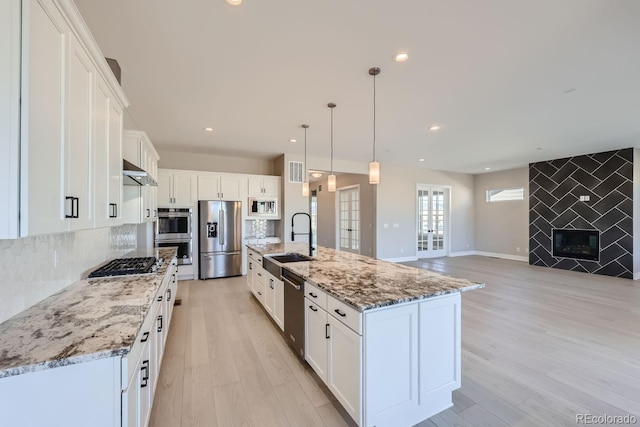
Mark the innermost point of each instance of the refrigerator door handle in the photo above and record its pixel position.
(222, 230)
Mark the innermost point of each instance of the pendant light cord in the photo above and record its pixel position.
(331, 140)
(305, 152)
(374, 117)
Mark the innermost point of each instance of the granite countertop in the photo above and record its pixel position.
(88, 320)
(364, 282)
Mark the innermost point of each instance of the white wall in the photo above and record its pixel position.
(29, 269)
(214, 163)
(502, 227)
(396, 204)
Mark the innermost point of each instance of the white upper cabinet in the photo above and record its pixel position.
(139, 203)
(51, 110)
(177, 188)
(263, 186)
(220, 187)
(9, 117)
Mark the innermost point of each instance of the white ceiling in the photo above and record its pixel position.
(491, 73)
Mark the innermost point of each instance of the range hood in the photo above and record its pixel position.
(133, 175)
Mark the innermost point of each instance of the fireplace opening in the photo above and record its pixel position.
(579, 244)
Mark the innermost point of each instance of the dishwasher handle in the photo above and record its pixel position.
(286, 280)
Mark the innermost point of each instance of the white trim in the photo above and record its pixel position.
(462, 253)
(503, 256)
(401, 259)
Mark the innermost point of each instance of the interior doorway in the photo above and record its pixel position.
(348, 214)
(432, 221)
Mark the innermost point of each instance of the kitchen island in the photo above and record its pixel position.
(384, 337)
(89, 354)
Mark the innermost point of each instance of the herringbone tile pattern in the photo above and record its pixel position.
(555, 188)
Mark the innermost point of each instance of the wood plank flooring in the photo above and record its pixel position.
(538, 347)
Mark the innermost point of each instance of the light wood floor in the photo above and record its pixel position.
(538, 347)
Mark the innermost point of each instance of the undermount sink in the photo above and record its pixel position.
(291, 257)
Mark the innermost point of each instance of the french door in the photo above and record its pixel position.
(348, 205)
(432, 224)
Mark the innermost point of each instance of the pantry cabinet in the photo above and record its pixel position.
(51, 69)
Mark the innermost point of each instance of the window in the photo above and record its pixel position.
(505, 194)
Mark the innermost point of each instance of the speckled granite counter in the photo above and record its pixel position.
(365, 282)
(87, 320)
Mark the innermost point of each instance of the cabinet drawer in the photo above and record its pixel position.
(258, 291)
(130, 361)
(315, 294)
(346, 314)
(254, 256)
(260, 275)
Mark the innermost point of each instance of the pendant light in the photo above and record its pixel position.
(374, 167)
(305, 184)
(331, 184)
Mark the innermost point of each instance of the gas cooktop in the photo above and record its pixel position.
(126, 267)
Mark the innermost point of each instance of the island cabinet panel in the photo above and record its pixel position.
(440, 339)
(391, 366)
(316, 338)
(344, 367)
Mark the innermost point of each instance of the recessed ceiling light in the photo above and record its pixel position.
(234, 2)
(434, 128)
(539, 148)
(401, 56)
(209, 129)
(292, 140)
(487, 169)
(421, 160)
(573, 89)
(316, 174)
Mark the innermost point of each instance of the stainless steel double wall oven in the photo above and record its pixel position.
(174, 228)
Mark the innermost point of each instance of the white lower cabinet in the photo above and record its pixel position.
(278, 304)
(400, 371)
(110, 392)
(267, 288)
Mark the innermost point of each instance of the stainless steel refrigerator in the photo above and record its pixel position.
(220, 232)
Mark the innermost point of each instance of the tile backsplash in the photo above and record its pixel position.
(39, 266)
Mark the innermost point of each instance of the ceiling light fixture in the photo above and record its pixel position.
(421, 160)
(374, 167)
(209, 129)
(434, 128)
(401, 56)
(487, 169)
(316, 174)
(305, 184)
(234, 2)
(331, 183)
(292, 140)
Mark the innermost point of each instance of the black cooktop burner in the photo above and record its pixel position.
(124, 267)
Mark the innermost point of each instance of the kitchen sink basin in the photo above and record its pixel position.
(291, 257)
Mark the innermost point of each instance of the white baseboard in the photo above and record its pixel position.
(401, 259)
(463, 253)
(503, 256)
(636, 276)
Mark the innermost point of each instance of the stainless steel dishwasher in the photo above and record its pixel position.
(294, 311)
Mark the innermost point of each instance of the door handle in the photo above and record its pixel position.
(222, 230)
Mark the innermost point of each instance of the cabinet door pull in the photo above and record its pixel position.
(222, 195)
(250, 266)
(260, 274)
(77, 203)
(160, 323)
(340, 313)
(148, 213)
(160, 298)
(326, 331)
(313, 295)
(145, 337)
(313, 308)
(113, 210)
(259, 293)
(71, 206)
(271, 283)
(168, 294)
(145, 376)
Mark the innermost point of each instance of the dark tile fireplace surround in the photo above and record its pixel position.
(555, 191)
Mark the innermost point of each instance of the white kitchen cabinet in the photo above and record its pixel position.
(139, 202)
(43, 130)
(263, 186)
(220, 187)
(10, 117)
(107, 190)
(344, 373)
(278, 304)
(316, 338)
(52, 66)
(269, 293)
(177, 188)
